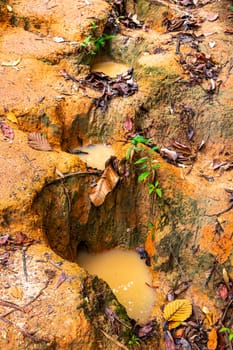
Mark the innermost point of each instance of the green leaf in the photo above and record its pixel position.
(94, 25)
(150, 225)
(156, 183)
(155, 166)
(143, 176)
(141, 160)
(224, 329)
(140, 139)
(231, 8)
(151, 190)
(86, 41)
(138, 148)
(159, 192)
(144, 166)
(154, 148)
(231, 336)
(128, 153)
(151, 187)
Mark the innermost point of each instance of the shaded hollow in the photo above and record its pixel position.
(68, 217)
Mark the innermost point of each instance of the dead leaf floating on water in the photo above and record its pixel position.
(178, 310)
(39, 142)
(106, 184)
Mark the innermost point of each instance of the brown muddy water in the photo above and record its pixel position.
(109, 67)
(96, 155)
(128, 277)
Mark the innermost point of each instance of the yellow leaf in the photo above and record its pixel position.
(212, 339)
(174, 324)
(208, 321)
(225, 275)
(11, 117)
(178, 310)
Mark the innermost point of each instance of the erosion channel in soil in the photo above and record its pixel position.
(144, 89)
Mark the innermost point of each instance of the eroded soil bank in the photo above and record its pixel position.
(178, 96)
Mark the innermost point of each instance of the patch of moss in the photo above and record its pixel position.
(143, 7)
(45, 121)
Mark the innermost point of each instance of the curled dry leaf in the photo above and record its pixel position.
(169, 341)
(7, 131)
(178, 310)
(106, 184)
(212, 339)
(212, 17)
(38, 142)
(222, 291)
(128, 125)
(171, 155)
(62, 278)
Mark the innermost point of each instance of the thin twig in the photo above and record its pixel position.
(221, 212)
(96, 173)
(24, 262)
(225, 311)
(25, 333)
(210, 274)
(116, 342)
(11, 305)
(30, 302)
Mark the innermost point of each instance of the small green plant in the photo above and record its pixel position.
(147, 164)
(229, 331)
(134, 340)
(94, 25)
(92, 44)
(151, 227)
(101, 41)
(87, 42)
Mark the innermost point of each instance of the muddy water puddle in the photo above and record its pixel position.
(109, 67)
(127, 275)
(96, 155)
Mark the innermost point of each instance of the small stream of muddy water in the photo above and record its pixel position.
(128, 277)
(96, 155)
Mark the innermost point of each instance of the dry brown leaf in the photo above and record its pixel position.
(178, 310)
(38, 142)
(106, 184)
(7, 131)
(212, 339)
(212, 17)
(171, 155)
